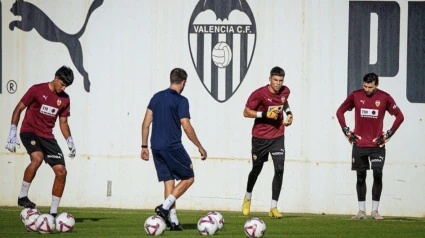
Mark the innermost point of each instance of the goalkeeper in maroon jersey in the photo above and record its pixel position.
(267, 105)
(368, 138)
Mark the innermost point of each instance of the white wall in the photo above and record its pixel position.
(129, 49)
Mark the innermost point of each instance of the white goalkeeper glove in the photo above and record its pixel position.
(71, 147)
(12, 140)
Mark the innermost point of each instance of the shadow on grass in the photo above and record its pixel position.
(89, 219)
(190, 226)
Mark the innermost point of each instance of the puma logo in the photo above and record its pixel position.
(362, 101)
(34, 18)
(45, 97)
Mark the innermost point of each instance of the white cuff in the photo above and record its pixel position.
(259, 114)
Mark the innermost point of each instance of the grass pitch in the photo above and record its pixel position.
(99, 222)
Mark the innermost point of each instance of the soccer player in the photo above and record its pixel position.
(267, 105)
(368, 138)
(168, 111)
(44, 102)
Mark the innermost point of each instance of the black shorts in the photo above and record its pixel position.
(361, 157)
(262, 147)
(52, 152)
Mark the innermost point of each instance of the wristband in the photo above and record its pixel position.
(144, 146)
(260, 114)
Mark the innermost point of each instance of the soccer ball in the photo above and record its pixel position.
(30, 220)
(65, 222)
(255, 227)
(45, 224)
(27, 212)
(155, 225)
(218, 217)
(207, 226)
(221, 54)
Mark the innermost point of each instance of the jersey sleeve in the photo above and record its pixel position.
(183, 108)
(391, 106)
(29, 96)
(66, 111)
(254, 100)
(347, 105)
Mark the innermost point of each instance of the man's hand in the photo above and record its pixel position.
(288, 121)
(384, 138)
(351, 137)
(12, 140)
(203, 153)
(145, 154)
(71, 147)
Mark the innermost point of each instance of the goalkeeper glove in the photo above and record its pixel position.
(351, 137)
(71, 147)
(12, 140)
(384, 138)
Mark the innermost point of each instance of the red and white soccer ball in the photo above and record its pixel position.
(255, 227)
(155, 225)
(30, 221)
(207, 226)
(26, 212)
(65, 222)
(218, 217)
(45, 224)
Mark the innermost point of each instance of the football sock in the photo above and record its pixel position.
(278, 178)
(173, 216)
(375, 205)
(362, 206)
(273, 204)
(248, 195)
(168, 202)
(253, 175)
(24, 189)
(55, 204)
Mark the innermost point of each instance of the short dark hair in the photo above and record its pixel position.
(65, 74)
(371, 77)
(177, 75)
(277, 71)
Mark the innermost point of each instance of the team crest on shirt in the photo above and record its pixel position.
(254, 157)
(377, 103)
(59, 102)
(283, 99)
(33, 142)
(191, 166)
(354, 160)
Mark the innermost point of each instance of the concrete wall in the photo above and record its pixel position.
(127, 51)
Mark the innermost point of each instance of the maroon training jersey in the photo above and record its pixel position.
(43, 108)
(369, 114)
(263, 100)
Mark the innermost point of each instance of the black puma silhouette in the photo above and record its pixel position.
(33, 17)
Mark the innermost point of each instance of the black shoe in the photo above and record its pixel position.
(175, 227)
(25, 202)
(54, 215)
(163, 213)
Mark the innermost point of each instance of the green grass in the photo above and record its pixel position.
(100, 222)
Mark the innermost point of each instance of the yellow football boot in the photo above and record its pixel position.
(274, 213)
(246, 206)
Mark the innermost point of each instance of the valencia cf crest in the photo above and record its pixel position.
(377, 103)
(59, 102)
(222, 36)
(283, 99)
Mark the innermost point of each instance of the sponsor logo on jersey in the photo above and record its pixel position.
(369, 113)
(48, 110)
